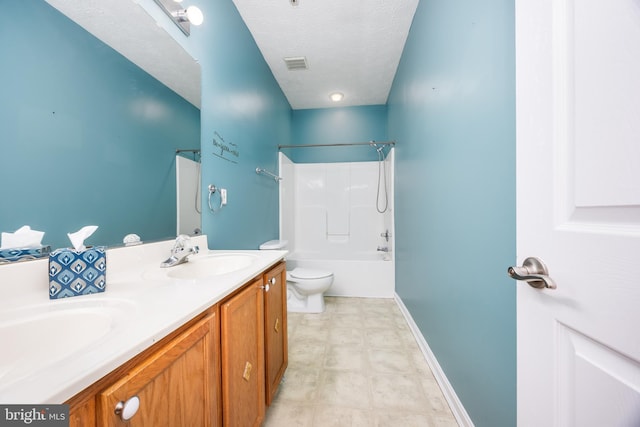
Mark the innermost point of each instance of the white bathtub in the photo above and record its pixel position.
(354, 275)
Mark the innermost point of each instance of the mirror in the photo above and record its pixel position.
(89, 138)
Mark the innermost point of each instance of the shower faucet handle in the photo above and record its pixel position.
(386, 235)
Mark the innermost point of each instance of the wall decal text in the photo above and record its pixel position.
(225, 150)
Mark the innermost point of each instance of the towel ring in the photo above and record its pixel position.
(212, 189)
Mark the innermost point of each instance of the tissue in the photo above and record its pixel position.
(23, 237)
(78, 238)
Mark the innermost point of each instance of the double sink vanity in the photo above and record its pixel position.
(203, 343)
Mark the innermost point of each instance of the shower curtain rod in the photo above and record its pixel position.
(191, 150)
(338, 145)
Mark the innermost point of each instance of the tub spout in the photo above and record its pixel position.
(383, 248)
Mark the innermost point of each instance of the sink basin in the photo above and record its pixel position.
(210, 265)
(38, 336)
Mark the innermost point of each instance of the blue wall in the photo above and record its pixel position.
(244, 110)
(337, 126)
(452, 113)
(87, 137)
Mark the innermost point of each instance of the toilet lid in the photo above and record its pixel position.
(307, 273)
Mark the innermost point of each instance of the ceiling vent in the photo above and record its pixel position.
(296, 63)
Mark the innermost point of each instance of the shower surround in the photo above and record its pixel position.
(328, 214)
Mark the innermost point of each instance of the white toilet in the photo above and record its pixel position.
(305, 287)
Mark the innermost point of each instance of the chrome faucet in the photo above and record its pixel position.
(180, 252)
(383, 248)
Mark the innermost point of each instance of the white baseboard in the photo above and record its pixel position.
(449, 393)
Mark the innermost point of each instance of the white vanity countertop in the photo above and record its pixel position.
(141, 305)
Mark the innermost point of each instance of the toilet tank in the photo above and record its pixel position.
(274, 245)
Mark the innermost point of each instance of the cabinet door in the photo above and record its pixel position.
(242, 329)
(275, 328)
(83, 415)
(177, 385)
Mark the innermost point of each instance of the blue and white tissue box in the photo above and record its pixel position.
(73, 273)
(22, 254)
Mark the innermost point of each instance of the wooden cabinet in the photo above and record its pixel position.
(242, 333)
(83, 414)
(176, 386)
(275, 328)
(254, 348)
(221, 368)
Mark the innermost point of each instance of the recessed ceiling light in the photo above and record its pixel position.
(336, 96)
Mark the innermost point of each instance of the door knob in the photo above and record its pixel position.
(534, 272)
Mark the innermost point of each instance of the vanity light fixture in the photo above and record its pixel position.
(180, 16)
(191, 14)
(336, 96)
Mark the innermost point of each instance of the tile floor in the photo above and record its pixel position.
(356, 364)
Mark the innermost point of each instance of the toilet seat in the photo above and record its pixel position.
(309, 274)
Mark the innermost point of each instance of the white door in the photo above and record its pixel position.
(578, 207)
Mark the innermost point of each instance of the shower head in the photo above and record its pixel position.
(374, 145)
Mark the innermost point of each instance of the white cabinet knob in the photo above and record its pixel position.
(128, 409)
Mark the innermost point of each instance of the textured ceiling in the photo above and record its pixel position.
(129, 29)
(351, 47)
